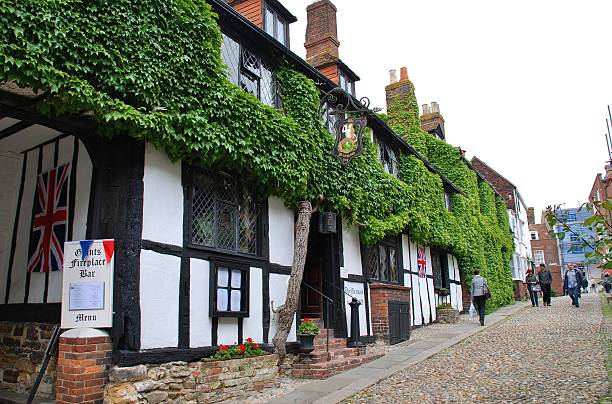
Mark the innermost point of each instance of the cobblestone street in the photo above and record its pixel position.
(542, 354)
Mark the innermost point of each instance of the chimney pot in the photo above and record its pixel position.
(392, 76)
(435, 108)
(426, 109)
(403, 73)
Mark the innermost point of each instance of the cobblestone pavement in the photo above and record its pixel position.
(540, 355)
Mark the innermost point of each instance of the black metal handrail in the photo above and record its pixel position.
(49, 353)
(341, 290)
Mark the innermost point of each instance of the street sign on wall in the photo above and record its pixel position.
(87, 285)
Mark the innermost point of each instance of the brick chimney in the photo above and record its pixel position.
(400, 97)
(531, 216)
(432, 121)
(250, 9)
(321, 33)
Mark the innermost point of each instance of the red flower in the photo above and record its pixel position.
(223, 347)
(306, 320)
(250, 340)
(255, 345)
(242, 348)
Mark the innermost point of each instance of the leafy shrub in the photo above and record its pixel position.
(308, 327)
(246, 350)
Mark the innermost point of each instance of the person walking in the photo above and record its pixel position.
(607, 282)
(585, 284)
(545, 278)
(532, 287)
(572, 282)
(479, 292)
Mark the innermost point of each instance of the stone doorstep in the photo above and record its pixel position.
(321, 356)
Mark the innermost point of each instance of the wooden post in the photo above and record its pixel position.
(288, 310)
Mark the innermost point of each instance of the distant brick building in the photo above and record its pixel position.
(517, 216)
(545, 250)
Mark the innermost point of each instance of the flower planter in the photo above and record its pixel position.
(306, 345)
(447, 316)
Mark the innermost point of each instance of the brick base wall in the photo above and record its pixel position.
(380, 295)
(82, 368)
(22, 350)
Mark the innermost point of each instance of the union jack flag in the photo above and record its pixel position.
(421, 261)
(50, 216)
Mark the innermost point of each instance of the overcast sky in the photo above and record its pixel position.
(523, 85)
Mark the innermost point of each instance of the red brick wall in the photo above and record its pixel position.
(380, 295)
(321, 30)
(551, 255)
(82, 368)
(250, 9)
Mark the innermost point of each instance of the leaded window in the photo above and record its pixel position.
(387, 156)
(439, 265)
(249, 71)
(448, 200)
(224, 213)
(230, 290)
(383, 261)
(276, 26)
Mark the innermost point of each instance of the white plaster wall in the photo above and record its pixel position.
(416, 285)
(281, 231)
(20, 260)
(227, 331)
(159, 299)
(356, 290)
(278, 294)
(200, 323)
(10, 167)
(432, 303)
(162, 219)
(253, 324)
(352, 251)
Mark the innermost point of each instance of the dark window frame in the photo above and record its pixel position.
(444, 280)
(386, 159)
(244, 288)
(389, 242)
(448, 199)
(350, 84)
(260, 226)
(277, 17)
(241, 69)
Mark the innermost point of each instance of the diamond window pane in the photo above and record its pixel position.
(203, 211)
(393, 264)
(230, 54)
(251, 62)
(236, 278)
(222, 277)
(248, 223)
(280, 31)
(228, 189)
(382, 260)
(222, 300)
(226, 226)
(249, 85)
(268, 87)
(373, 262)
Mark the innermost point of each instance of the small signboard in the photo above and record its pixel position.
(87, 286)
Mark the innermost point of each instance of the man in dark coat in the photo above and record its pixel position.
(545, 278)
(572, 283)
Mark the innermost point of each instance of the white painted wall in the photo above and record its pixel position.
(356, 290)
(200, 323)
(278, 294)
(227, 331)
(417, 307)
(352, 251)
(10, 167)
(253, 324)
(20, 260)
(432, 303)
(281, 232)
(162, 218)
(159, 299)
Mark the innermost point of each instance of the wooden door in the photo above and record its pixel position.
(399, 322)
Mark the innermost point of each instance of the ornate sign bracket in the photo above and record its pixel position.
(349, 120)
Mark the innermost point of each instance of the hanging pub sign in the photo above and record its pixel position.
(87, 285)
(348, 119)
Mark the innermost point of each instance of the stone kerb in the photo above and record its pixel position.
(203, 381)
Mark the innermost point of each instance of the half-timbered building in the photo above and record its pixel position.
(201, 258)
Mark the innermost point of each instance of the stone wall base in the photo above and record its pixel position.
(201, 382)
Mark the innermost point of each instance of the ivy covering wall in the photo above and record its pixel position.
(152, 70)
